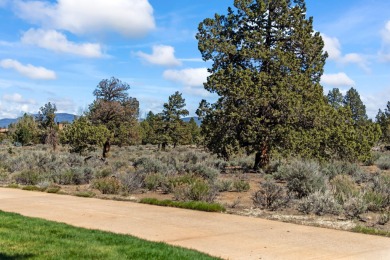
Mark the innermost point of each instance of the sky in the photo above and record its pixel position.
(59, 50)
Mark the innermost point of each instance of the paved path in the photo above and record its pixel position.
(227, 236)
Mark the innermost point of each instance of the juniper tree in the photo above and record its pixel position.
(267, 65)
(114, 108)
(383, 119)
(171, 128)
(358, 109)
(335, 98)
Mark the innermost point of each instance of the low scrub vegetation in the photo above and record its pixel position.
(193, 178)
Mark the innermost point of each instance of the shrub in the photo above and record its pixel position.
(203, 171)
(303, 177)
(383, 162)
(319, 203)
(153, 181)
(53, 189)
(355, 206)
(384, 218)
(335, 168)
(131, 181)
(27, 177)
(375, 201)
(241, 185)
(108, 185)
(343, 188)
(225, 185)
(270, 196)
(379, 196)
(32, 188)
(197, 190)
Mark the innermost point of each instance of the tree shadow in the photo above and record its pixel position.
(15, 257)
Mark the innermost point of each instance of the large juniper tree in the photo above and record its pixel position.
(267, 65)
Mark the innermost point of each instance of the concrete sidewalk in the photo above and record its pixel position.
(223, 235)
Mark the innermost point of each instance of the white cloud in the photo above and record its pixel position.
(191, 79)
(14, 105)
(188, 77)
(162, 55)
(355, 58)
(28, 70)
(384, 53)
(53, 40)
(17, 98)
(130, 18)
(333, 47)
(386, 33)
(337, 80)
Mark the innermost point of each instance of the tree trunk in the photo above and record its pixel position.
(261, 158)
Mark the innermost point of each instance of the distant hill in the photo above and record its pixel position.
(5, 122)
(198, 121)
(60, 117)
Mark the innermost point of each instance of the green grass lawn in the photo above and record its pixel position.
(30, 238)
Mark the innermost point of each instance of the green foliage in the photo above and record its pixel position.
(195, 205)
(335, 98)
(27, 177)
(370, 231)
(118, 112)
(170, 129)
(358, 109)
(344, 188)
(383, 119)
(30, 238)
(193, 189)
(47, 124)
(267, 65)
(25, 130)
(240, 185)
(82, 136)
(108, 185)
(383, 162)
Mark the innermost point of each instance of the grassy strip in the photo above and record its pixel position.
(370, 231)
(196, 205)
(30, 238)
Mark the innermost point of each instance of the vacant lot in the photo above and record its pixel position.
(336, 194)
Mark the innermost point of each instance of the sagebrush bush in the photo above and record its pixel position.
(154, 180)
(225, 185)
(108, 185)
(303, 177)
(320, 203)
(27, 177)
(131, 181)
(383, 162)
(241, 185)
(195, 190)
(344, 187)
(355, 206)
(270, 196)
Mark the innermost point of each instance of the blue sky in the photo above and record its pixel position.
(59, 50)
